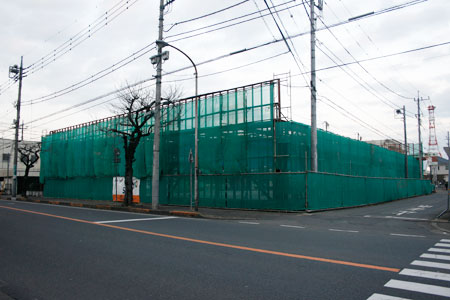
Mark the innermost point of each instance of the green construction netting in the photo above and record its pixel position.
(248, 158)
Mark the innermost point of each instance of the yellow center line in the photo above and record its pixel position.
(312, 258)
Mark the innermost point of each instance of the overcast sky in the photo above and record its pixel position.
(355, 100)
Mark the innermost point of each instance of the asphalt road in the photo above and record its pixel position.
(59, 252)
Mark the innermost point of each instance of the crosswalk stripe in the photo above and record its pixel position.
(384, 297)
(419, 287)
(445, 240)
(435, 256)
(426, 274)
(431, 264)
(442, 245)
(439, 250)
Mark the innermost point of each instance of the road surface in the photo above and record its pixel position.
(388, 250)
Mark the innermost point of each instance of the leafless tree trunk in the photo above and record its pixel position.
(29, 155)
(136, 108)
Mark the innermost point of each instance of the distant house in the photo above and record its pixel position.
(7, 168)
(442, 169)
(389, 144)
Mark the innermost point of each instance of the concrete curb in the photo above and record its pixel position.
(188, 214)
(438, 226)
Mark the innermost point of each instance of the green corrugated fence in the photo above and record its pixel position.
(248, 158)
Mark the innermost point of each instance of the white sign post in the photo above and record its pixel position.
(119, 189)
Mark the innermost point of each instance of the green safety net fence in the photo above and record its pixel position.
(248, 158)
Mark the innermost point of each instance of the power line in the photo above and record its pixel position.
(370, 40)
(90, 80)
(365, 84)
(359, 64)
(114, 92)
(81, 36)
(227, 21)
(325, 68)
(382, 56)
(206, 15)
(231, 69)
(367, 115)
(100, 74)
(264, 20)
(285, 41)
(73, 113)
(353, 117)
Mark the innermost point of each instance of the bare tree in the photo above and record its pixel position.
(137, 108)
(29, 155)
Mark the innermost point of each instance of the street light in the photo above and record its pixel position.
(13, 72)
(402, 111)
(162, 44)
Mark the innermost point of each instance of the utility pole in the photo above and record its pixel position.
(448, 139)
(448, 167)
(447, 151)
(21, 127)
(326, 125)
(406, 142)
(18, 71)
(313, 89)
(157, 126)
(420, 140)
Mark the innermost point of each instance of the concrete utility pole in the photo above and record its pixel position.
(19, 71)
(447, 151)
(448, 140)
(406, 142)
(420, 140)
(157, 126)
(313, 89)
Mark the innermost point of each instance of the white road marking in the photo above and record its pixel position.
(397, 218)
(251, 223)
(135, 220)
(426, 274)
(435, 256)
(431, 264)
(340, 230)
(405, 218)
(413, 210)
(292, 226)
(442, 245)
(384, 297)
(407, 235)
(419, 287)
(445, 240)
(405, 212)
(439, 250)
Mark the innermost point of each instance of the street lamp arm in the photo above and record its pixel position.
(161, 44)
(165, 44)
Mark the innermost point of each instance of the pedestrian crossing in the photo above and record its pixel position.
(426, 277)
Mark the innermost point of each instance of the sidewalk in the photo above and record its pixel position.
(174, 210)
(442, 222)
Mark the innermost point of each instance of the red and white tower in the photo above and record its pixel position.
(433, 148)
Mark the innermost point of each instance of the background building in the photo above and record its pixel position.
(7, 168)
